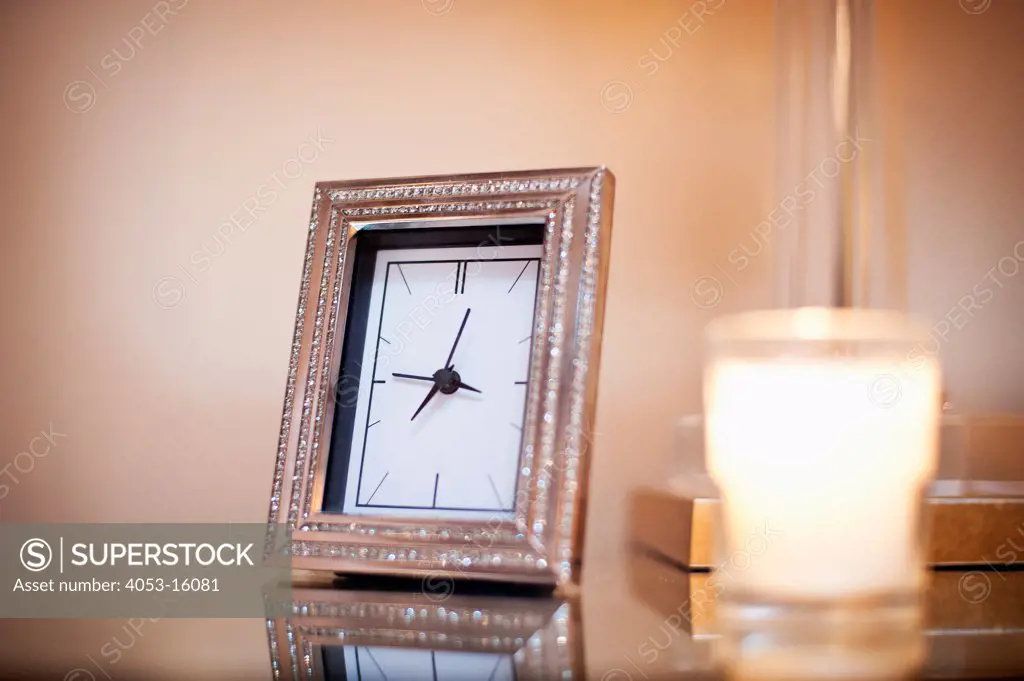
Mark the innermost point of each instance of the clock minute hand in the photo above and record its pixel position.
(448, 364)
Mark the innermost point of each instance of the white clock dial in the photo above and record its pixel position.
(381, 664)
(441, 439)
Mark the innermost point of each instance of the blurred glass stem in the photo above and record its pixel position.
(829, 215)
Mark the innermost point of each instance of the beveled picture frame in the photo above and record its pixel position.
(542, 638)
(542, 545)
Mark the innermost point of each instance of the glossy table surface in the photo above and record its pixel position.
(633, 623)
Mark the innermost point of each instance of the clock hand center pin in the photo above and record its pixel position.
(447, 380)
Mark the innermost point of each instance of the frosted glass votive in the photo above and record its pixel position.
(822, 435)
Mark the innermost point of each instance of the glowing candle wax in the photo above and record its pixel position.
(828, 457)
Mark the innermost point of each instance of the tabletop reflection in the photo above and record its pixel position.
(841, 649)
(655, 622)
(335, 635)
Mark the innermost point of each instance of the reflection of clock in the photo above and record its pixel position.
(443, 376)
(361, 663)
(328, 634)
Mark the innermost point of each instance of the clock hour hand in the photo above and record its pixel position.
(448, 364)
(418, 378)
(433, 391)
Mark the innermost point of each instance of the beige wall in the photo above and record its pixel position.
(111, 186)
(173, 413)
(961, 89)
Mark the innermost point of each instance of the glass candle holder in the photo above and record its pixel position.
(821, 434)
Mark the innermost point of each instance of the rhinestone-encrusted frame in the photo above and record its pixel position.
(558, 429)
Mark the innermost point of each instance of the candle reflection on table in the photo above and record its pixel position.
(872, 649)
(847, 652)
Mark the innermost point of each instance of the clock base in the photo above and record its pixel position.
(438, 587)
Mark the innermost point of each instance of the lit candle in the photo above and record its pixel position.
(821, 459)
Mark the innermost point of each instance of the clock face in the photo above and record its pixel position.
(362, 663)
(442, 383)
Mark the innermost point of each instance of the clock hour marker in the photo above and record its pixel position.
(375, 422)
(375, 664)
(516, 426)
(437, 479)
(520, 275)
(520, 382)
(380, 381)
(359, 671)
(495, 670)
(377, 487)
(494, 488)
(465, 267)
(526, 339)
(399, 266)
(385, 340)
